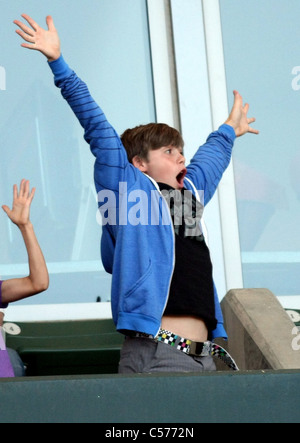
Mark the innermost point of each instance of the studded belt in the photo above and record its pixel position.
(197, 349)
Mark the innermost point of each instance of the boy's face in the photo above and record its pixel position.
(164, 165)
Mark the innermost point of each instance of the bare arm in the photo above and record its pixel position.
(1, 318)
(38, 278)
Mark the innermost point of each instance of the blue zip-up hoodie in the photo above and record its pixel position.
(140, 257)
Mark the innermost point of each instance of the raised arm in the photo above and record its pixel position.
(38, 279)
(112, 165)
(212, 159)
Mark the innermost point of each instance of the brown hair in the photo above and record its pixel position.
(144, 138)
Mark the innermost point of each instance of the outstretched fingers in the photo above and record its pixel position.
(24, 28)
(27, 38)
(24, 191)
(45, 41)
(238, 117)
(50, 23)
(246, 108)
(27, 33)
(30, 21)
(252, 130)
(250, 120)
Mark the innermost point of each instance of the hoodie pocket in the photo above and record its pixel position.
(137, 298)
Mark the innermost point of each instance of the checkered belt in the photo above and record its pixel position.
(196, 349)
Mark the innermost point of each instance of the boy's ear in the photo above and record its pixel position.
(139, 163)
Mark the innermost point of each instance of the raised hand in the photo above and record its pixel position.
(38, 279)
(238, 117)
(22, 198)
(45, 41)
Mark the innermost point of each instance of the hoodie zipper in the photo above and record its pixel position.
(173, 237)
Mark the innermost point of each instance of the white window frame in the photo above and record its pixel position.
(220, 112)
(163, 63)
(203, 108)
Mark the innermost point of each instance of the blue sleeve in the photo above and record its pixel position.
(220, 329)
(111, 165)
(211, 160)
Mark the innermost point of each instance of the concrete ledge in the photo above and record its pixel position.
(260, 331)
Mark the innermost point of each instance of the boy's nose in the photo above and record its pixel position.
(181, 158)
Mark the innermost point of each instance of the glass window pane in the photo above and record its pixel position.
(262, 58)
(107, 44)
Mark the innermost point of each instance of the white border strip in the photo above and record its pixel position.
(54, 268)
(289, 301)
(195, 110)
(163, 64)
(63, 312)
(219, 105)
(271, 257)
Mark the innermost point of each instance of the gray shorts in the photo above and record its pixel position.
(143, 355)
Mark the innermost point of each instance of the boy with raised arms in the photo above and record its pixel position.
(163, 296)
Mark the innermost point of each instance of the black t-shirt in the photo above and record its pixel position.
(192, 289)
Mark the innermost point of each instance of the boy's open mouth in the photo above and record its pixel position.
(180, 177)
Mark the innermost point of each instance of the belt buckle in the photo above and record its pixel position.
(200, 349)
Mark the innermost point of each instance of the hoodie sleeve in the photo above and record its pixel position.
(111, 165)
(211, 160)
(220, 331)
